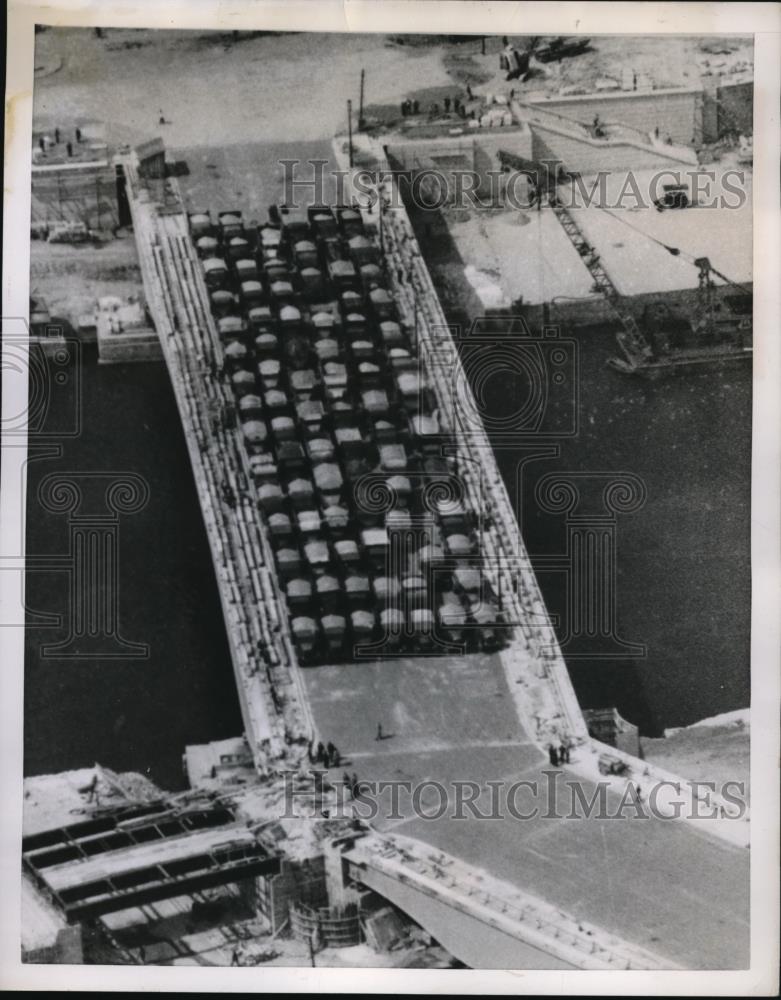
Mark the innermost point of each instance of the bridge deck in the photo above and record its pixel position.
(657, 883)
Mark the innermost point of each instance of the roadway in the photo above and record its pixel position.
(660, 884)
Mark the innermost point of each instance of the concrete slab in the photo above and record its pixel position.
(636, 264)
(660, 884)
(526, 253)
(423, 704)
(653, 882)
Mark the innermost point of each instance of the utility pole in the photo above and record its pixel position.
(350, 130)
(361, 122)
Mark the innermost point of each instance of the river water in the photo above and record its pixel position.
(129, 714)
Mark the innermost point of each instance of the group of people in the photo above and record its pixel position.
(410, 108)
(559, 754)
(328, 756)
(44, 141)
(669, 139)
(454, 104)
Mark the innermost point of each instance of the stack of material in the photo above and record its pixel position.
(384, 929)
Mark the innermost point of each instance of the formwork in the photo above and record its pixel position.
(337, 927)
(83, 191)
(296, 884)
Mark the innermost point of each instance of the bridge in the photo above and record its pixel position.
(477, 918)
(550, 894)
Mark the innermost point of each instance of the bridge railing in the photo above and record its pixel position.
(492, 901)
(275, 710)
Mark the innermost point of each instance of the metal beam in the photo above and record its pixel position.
(110, 903)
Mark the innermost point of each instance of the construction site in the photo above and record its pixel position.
(383, 617)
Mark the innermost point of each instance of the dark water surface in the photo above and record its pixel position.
(125, 713)
(683, 573)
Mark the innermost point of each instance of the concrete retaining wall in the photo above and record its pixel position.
(478, 148)
(129, 346)
(677, 113)
(581, 156)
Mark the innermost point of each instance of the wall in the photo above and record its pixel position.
(584, 157)
(295, 882)
(340, 890)
(572, 315)
(131, 345)
(478, 147)
(607, 726)
(76, 193)
(677, 113)
(735, 108)
(66, 950)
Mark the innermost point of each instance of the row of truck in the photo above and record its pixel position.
(375, 547)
